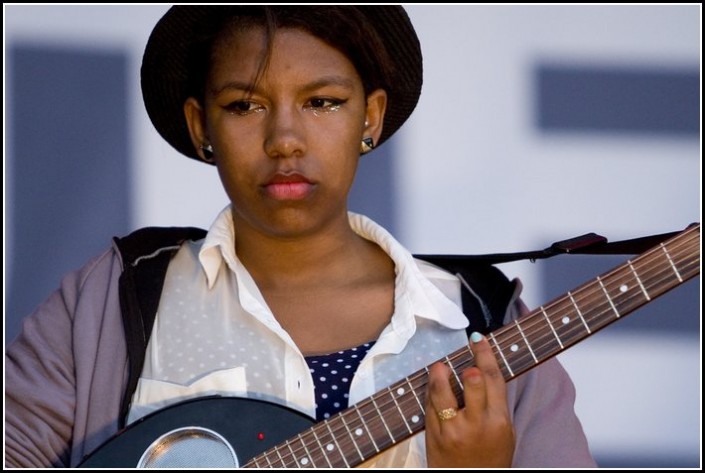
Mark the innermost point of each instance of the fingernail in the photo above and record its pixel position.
(476, 337)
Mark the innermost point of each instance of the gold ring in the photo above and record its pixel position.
(447, 414)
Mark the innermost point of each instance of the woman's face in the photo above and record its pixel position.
(286, 146)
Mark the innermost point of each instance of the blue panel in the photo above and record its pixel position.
(676, 311)
(658, 100)
(69, 166)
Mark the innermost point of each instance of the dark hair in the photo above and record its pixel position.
(343, 27)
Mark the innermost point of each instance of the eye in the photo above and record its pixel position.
(243, 107)
(323, 104)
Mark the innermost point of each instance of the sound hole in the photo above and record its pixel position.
(189, 447)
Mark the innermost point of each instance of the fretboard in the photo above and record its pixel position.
(367, 428)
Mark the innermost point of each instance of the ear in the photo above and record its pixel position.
(196, 122)
(374, 115)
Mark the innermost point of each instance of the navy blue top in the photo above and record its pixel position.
(332, 374)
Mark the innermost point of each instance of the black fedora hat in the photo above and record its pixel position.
(165, 69)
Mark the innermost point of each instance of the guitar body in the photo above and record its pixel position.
(248, 426)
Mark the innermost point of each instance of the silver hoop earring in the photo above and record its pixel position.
(208, 153)
(366, 145)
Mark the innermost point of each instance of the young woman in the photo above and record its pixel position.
(288, 297)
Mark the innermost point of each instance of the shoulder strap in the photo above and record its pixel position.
(145, 254)
(587, 244)
(485, 290)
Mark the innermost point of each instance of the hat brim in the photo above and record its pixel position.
(165, 74)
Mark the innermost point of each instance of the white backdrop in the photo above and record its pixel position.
(474, 124)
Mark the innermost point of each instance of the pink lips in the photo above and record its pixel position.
(288, 187)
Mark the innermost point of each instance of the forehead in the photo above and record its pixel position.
(242, 53)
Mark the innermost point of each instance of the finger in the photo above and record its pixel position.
(474, 394)
(491, 378)
(439, 396)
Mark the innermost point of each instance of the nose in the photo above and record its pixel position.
(285, 133)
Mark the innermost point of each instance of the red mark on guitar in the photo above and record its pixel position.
(260, 436)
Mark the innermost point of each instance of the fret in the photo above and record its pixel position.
(380, 416)
(609, 299)
(269, 463)
(408, 403)
(638, 280)
(352, 438)
(675, 270)
(526, 342)
(565, 321)
(281, 459)
(330, 448)
(580, 314)
(257, 459)
(359, 431)
(555, 334)
(453, 371)
(305, 460)
(416, 397)
(401, 411)
(624, 290)
(501, 353)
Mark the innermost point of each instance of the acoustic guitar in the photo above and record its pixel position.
(235, 432)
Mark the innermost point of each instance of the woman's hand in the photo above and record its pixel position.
(479, 435)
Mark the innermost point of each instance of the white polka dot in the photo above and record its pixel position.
(322, 378)
(334, 387)
(345, 380)
(336, 404)
(325, 365)
(324, 396)
(334, 372)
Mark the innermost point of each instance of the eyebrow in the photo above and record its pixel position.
(332, 80)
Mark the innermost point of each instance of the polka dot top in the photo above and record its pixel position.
(332, 374)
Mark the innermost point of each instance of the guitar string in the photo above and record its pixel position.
(645, 278)
(404, 399)
(590, 315)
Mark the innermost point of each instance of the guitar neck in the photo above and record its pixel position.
(367, 428)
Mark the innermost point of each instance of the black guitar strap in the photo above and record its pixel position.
(486, 291)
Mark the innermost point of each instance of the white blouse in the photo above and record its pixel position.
(215, 334)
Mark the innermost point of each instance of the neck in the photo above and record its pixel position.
(302, 259)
